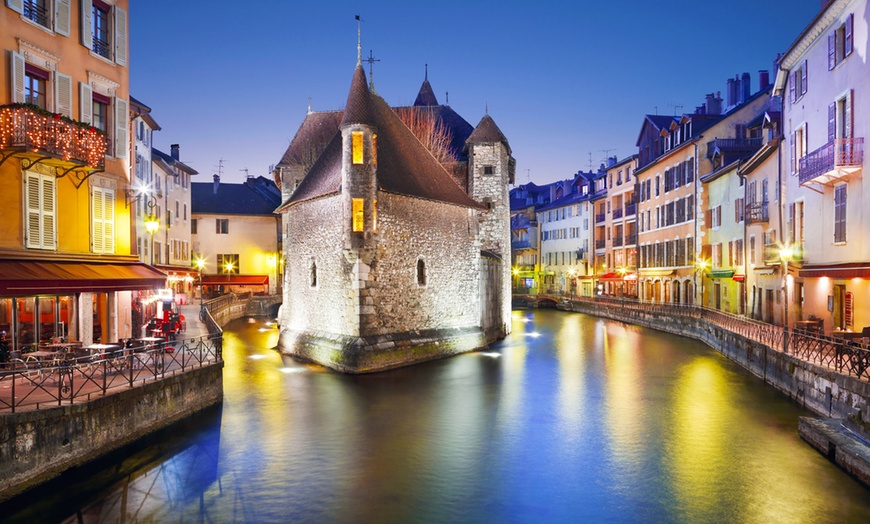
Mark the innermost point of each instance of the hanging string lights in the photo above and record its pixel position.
(29, 128)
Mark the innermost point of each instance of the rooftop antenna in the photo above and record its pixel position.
(371, 60)
(606, 154)
(590, 161)
(309, 105)
(358, 41)
(656, 109)
(245, 169)
(528, 175)
(426, 74)
(675, 106)
(446, 98)
(220, 167)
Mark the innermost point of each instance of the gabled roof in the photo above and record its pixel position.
(487, 132)
(313, 135)
(144, 112)
(173, 162)
(256, 196)
(658, 122)
(405, 166)
(567, 200)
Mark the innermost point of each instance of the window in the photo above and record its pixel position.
(357, 147)
(840, 43)
(488, 170)
(358, 215)
(797, 83)
(752, 250)
(421, 272)
(100, 115)
(658, 192)
(185, 212)
(107, 36)
(177, 208)
(840, 213)
(312, 274)
(222, 226)
(840, 118)
(103, 224)
(35, 82)
(192, 226)
(41, 204)
(228, 264)
(798, 147)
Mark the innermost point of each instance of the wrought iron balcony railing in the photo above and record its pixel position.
(756, 212)
(832, 161)
(600, 244)
(518, 245)
(630, 209)
(28, 129)
(617, 212)
(631, 239)
(599, 218)
(617, 241)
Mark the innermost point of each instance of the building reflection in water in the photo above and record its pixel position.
(569, 418)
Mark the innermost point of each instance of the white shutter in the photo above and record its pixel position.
(16, 5)
(87, 25)
(32, 210)
(122, 117)
(16, 73)
(61, 17)
(108, 221)
(63, 94)
(847, 114)
(48, 212)
(120, 36)
(86, 103)
(97, 233)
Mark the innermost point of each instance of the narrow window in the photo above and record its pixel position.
(312, 274)
(375, 216)
(193, 226)
(357, 145)
(840, 213)
(421, 272)
(358, 215)
(35, 81)
(100, 29)
(100, 118)
(375, 150)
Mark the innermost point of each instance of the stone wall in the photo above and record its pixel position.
(822, 390)
(36, 446)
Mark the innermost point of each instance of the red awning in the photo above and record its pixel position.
(235, 280)
(739, 278)
(851, 270)
(49, 277)
(610, 277)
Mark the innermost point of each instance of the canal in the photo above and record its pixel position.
(571, 418)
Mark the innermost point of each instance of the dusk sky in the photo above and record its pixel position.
(561, 79)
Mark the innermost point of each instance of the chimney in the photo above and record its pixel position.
(714, 103)
(763, 79)
(729, 92)
(217, 183)
(173, 151)
(747, 87)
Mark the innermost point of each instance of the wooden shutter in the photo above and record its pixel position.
(32, 210)
(103, 220)
(832, 50)
(63, 94)
(16, 72)
(832, 121)
(47, 184)
(121, 122)
(40, 210)
(87, 24)
(97, 233)
(730, 253)
(791, 228)
(708, 217)
(690, 173)
(16, 5)
(86, 103)
(847, 115)
(804, 84)
(847, 47)
(793, 153)
(62, 17)
(792, 78)
(120, 36)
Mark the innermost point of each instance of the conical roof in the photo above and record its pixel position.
(426, 96)
(358, 109)
(487, 132)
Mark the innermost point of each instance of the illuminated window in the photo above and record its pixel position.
(358, 215)
(357, 143)
(375, 150)
(35, 82)
(375, 216)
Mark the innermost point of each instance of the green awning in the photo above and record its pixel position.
(720, 273)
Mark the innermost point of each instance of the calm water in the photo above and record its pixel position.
(572, 418)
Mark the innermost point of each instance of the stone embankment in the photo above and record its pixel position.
(824, 391)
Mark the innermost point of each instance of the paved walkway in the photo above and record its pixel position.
(195, 326)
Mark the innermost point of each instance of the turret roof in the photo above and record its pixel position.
(426, 96)
(487, 132)
(358, 109)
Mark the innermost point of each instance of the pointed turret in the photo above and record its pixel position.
(487, 132)
(358, 109)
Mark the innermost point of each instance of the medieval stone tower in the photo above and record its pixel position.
(392, 256)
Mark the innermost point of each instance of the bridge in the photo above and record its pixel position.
(536, 301)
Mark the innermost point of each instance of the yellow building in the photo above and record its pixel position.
(65, 264)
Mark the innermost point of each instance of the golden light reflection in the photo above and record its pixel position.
(570, 351)
(625, 411)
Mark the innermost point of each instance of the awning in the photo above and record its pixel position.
(739, 278)
(656, 272)
(235, 280)
(851, 270)
(720, 273)
(44, 277)
(610, 277)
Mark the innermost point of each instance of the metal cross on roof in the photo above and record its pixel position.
(371, 60)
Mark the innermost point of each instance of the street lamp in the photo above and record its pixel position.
(785, 254)
(229, 267)
(701, 267)
(152, 224)
(200, 264)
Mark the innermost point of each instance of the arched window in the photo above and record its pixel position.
(312, 277)
(421, 272)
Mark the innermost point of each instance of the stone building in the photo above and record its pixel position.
(391, 255)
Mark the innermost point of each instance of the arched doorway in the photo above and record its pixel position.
(676, 294)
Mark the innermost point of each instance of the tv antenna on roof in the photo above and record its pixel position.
(246, 172)
(220, 167)
(675, 106)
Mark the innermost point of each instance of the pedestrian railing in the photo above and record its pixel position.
(74, 379)
(849, 357)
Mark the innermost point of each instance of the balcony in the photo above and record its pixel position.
(520, 222)
(599, 218)
(600, 244)
(631, 239)
(521, 245)
(617, 241)
(630, 210)
(756, 212)
(832, 161)
(732, 145)
(617, 213)
(39, 137)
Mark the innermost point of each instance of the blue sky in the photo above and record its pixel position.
(561, 79)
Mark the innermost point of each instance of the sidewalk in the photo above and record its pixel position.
(195, 326)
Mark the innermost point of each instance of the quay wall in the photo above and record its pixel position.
(36, 446)
(819, 389)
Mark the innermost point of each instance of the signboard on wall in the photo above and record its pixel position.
(849, 315)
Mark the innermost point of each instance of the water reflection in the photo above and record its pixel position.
(571, 418)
